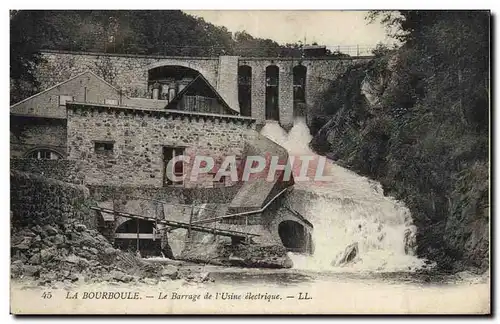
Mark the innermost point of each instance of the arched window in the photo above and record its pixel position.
(245, 90)
(272, 92)
(43, 154)
(299, 90)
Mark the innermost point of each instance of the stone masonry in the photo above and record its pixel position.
(138, 137)
(130, 73)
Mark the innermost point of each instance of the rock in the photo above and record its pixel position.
(48, 276)
(205, 276)
(170, 271)
(20, 247)
(58, 239)
(72, 259)
(80, 227)
(93, 250)
(25, 232)
(110, 251)
(50, 230)
(73, 277)
(127, 278)
(20, 256)
(150, 281)
(36, 242)
(94, 263)
(348, 256)
(37, 229)
(47, 254)
(35, 259)
(117, 275)
(410, 240)
(31, 270)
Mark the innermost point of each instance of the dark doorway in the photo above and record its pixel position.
(272, 92)
(295, 237)
(299, 90)
(245, 90)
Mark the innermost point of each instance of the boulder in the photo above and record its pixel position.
(72, 259)
(31, 270)
(117, 275)
(169, 271)
(349, 255)
(50, 230)
(80, 227)
(35, 259)
(48, 254)
(110, 251)
(410, 240)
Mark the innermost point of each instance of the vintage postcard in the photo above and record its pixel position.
(249, 162)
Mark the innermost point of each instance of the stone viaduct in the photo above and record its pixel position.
(261, 87)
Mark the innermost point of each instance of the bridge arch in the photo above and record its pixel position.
(202, 66)
(164, 82)
(174, 74)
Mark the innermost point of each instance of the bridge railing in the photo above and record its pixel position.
(112, 47)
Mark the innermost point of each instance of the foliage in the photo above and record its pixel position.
(164, 32)
(429, 126)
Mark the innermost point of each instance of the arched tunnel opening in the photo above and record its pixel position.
(295, 237)
(139, 235)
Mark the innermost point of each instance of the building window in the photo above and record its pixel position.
(178, 169)
(44, 154)
(64, 99)
(103, 147)
(113, 102)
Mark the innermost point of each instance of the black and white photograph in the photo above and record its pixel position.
(230, 162)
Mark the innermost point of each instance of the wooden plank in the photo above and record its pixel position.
(145, 236)
(198, 228)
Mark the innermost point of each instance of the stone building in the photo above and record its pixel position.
(87, 130)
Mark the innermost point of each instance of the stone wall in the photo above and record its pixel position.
(130, 73)
(27, 134)
(37, 200)
(139, 137)
(178, 195)
(127, 72)
(63, 170)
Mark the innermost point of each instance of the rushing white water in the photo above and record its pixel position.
(349, 209)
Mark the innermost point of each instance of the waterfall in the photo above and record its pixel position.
(349, 211)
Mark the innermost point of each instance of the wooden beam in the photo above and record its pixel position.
(170, 223)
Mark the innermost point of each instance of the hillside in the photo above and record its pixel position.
(165, 32)
(417, 120)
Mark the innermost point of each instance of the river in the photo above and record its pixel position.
(385, 276)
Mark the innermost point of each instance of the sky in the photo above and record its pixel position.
(331, 28)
